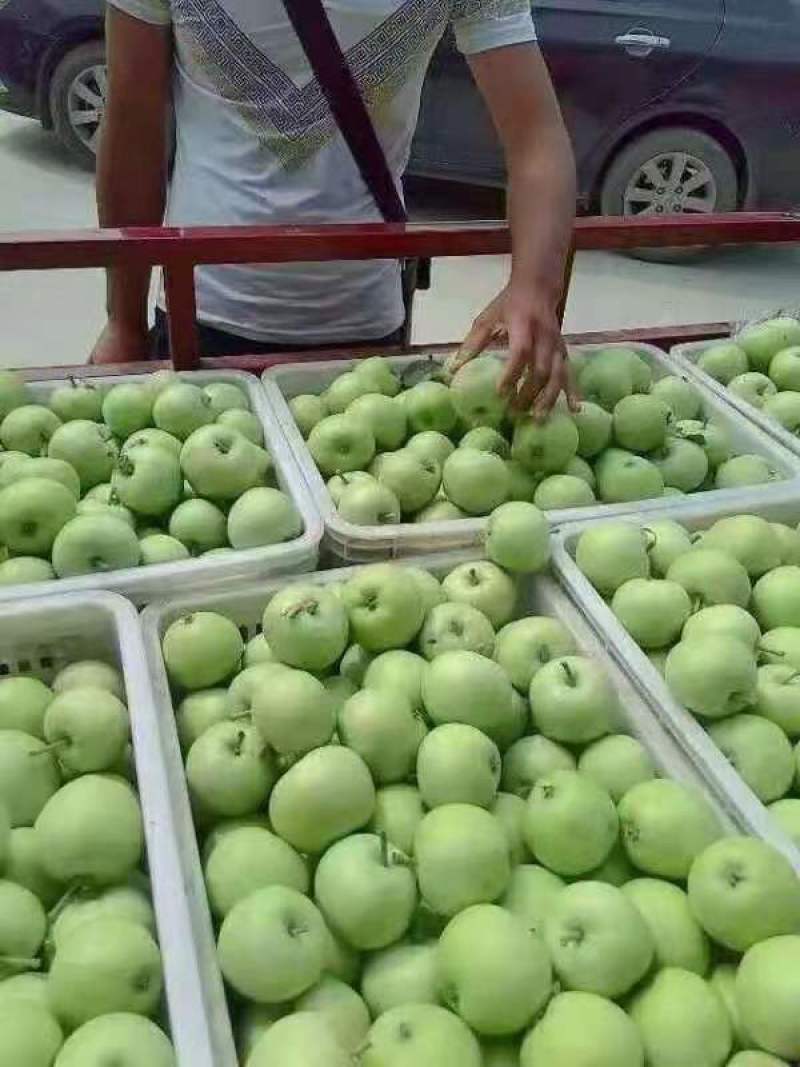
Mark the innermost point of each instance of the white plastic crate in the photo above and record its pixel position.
(681, 724)
(142, 584)
(349, 542)
(40, 637)
(687, 355)
(245, 607)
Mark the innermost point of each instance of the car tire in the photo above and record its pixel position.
(77, 71)
(707, 163)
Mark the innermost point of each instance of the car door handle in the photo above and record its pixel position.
(641, 43)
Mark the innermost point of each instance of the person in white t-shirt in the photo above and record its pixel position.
(256, 144)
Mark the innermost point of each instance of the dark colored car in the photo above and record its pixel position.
(673, 105)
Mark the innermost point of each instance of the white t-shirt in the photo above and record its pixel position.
(256, 144)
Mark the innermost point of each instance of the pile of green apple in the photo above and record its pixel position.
(440, 451)
(426, 843)
(761, 365)
(80, 969)
(718, 612)
(98, 480)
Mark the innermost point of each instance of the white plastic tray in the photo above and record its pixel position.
(43, 635)
(245, 607)
(142, 584)
(687, 355)
(680, 723)
(362, 543)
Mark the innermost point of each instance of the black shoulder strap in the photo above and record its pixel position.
(313, 28)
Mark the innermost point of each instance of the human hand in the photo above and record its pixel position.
(120, 344)
(537, 368)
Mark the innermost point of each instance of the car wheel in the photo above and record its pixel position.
(77, 100)
(670, 171)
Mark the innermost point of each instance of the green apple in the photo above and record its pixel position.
(462, 686)
(748, 538)
(495, 973)
(306, 626)
(561, 491)
(127, 408)
(458, 764)
(420, 1035)
(711, 576)
(161, 548)
(713, 439)
(594, 425)
(339, 482)
(722, 620)
(766, 995)
(429, 406)
(91, 544)
(398, 812)
(611, 553)
(113, 511)
(624, 476)
(755, 1059)
(32, 512)
(680, 396)
(606, 378)
(679, 939)
(743, 471)
(572, 700)
(201, 650)
(451, 626)
(412, 479)
(784, 408)
(23, 865)
(89, 728)
(230, 769)
(397, 671)
(571, 823)
(252, 1022)
(103, 966)
(28, 776)
(789, 541)
(379, 374)
(681, 1020)
(182, 408)
(652, 610)
(128, 902)
(582, 1030)
(343, 390)
(760, 752)
(785, 812)
(244, 422)
(301, 1039)
(154, 438)
(55, 470)
(13, 391)
(226, 396)
(221, 464)
(462, 858)
(279, 924)
(29, 1035)
(23, 924)
(683, 464)
(523, 484)
(440, 511)
(247, 859)
(530, 894)
(250, 682)
(199, 525)
(307, 411)
(431, 445)
(617, 763)
(616, 869)
(23, 702)
(403, 973)
(580, 468)
(723, 982)
(475, 392)
(518, 538)
(665, 825)
(640, 422)
(723, 362)
(24, 569)
(91, 830)
(341, 1007)
(714, 679)
(524, 646)
(781, 646)
(753, 387)
(294, 713)
(327, 794)
(477, 482)
(382, 726)
(148, 480)
(742, 891)
(532, 758)
(339, 689)
(597, 939)
(776, 598)
(385, 608)
(761, 341)
(486, 439)
(30, 988)
(366, 891)
(338, 443)
(121, 1038)
(545, 446)
(29, 429)
(257, 651)
(370, 504)
(784, 368)
(429, 587)
(510, 809)
(484, 586)
(384, 417)
(92, 674)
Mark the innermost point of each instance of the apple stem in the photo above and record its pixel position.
(51, 747)
(26, 963)
(384, 848)
(571, 679)
(71, 891)
(649, 537)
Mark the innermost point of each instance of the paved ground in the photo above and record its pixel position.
(52, 318)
